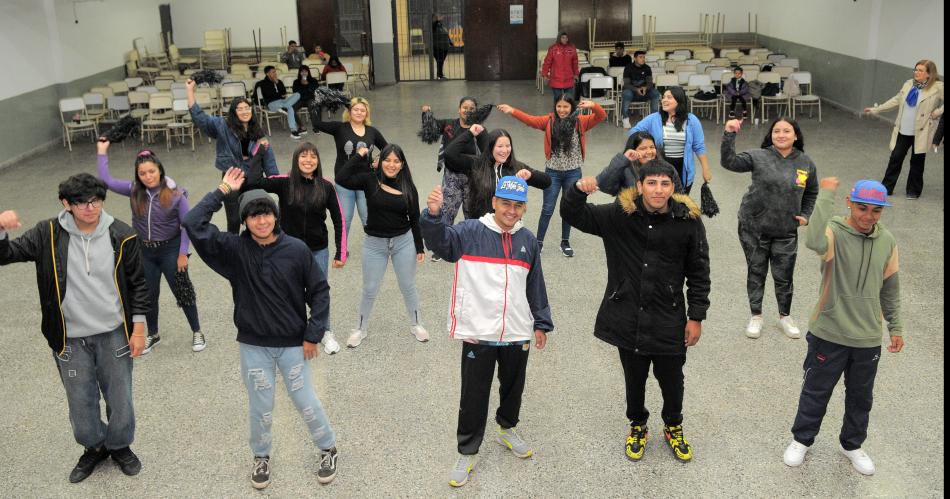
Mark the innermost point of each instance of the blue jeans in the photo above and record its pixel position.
(376, 254)
(559, 180)
(349, 199)
(158, 262)
(322, 257)
(94, 364)
(558, 91)
(630, 96)
(286, 104)
(259, 369)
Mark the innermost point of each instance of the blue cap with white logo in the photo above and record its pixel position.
(513, 188)
(869, 192)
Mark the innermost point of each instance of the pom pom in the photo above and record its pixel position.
(122, 129)
(707, 204)
(479, 114)
(209, 76)
(429, 133)
(331, 99)
(184, 290)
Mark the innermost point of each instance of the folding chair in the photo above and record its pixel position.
(160, 114)
(75, 123)
(807, 98)
(779, 101)
(181, 126)
(605, 83)
(701, 82)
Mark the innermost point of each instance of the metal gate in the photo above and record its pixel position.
(413, 21)
(351, 26)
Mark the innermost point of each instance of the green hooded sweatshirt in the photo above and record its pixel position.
(859, 279)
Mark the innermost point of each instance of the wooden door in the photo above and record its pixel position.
(494, 48)
(614, 20)
(315, 23)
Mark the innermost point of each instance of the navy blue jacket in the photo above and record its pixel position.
(228, 146)
(271, 284)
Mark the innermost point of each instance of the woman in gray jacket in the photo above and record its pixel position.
(780, 199)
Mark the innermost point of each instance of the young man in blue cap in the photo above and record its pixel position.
(498, 305)
(859, 287)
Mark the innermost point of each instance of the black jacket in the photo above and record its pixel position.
(306, 91)
(271, 285)
(458, 160)
(47, 244)
(648, 258)
(271, 91)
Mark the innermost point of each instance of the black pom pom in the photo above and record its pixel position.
(707, 204)
(429, 133)
(184, 290)
(479, 114)
(122, 129)
(209, 76)
(330, 99)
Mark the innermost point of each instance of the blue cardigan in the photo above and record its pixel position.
(695, 140)
(227, 145)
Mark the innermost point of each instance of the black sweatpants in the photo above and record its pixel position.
(678, 166)
(824, 364)
(762, 252)
(668, 371)
(478, 368)
(915, 179)
(735, 100)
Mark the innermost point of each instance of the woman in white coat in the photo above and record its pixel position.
(920, 104)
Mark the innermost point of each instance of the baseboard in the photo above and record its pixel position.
(32, 152)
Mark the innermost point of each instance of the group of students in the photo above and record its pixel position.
(656, 295)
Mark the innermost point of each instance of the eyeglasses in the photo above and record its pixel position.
(92, 203)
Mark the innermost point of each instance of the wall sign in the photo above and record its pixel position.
(516, 14)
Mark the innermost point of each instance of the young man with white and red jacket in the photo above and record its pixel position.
(498, 304)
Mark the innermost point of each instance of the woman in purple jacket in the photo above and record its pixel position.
(158, 207)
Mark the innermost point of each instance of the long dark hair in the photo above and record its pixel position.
(254, 131)
(799, 140)
(681, 108)
(563, 130)
(403, 179)
(637, 138)
(334, 61)
(462, 101)
(139, 195)
(481, 180)
(301, 68)
(301, 191)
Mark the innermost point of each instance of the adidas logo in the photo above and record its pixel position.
(471, 355)
(523, 250)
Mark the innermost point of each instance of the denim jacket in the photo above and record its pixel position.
(228, 146)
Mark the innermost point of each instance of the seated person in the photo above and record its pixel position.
(318, 53)
(638, 86)
(618, 58)
(736, 91)
(334, 65)
(273, 92)
(294, 56)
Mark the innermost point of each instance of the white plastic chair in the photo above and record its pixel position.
(75, 123)
(807, 98)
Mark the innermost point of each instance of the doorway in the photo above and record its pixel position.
(416, 57)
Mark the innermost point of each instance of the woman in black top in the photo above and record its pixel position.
(350, 134)
(306, 86)
(392, 231)
(484, 170)
(305, 198)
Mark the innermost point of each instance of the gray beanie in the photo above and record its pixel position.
(253, 195)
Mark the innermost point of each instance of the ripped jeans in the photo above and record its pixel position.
(259, 369)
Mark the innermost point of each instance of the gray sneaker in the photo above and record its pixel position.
(510, 439)
(260, 473)
(463, 468)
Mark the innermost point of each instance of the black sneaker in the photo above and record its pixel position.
(745, 114)
(87, 463)
(150, 342)
(732, 114)
(294, 134)
(302, 131)
(566, 248)
(636, 442)
(260, 473)
(435, 258)
(127, 460)
(327, 470)
(913, 196)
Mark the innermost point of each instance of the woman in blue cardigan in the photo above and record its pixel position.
(679, 133)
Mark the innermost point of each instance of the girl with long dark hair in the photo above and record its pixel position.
(496, 160)
(624, 169)
(780, 199)
(305, 198)
(306, 85)
(239, 137)
(158, 208)
(680, 134)
(392, 231)
(565, 146)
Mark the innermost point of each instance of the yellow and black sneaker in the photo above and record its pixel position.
(678, 443)
(636, 442)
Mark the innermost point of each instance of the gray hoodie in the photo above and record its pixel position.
(91, 305)
(781, 189)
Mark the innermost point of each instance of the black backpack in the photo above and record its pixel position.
(771, 89)
(581, 90)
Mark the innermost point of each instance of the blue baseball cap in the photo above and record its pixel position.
(869, 192)
(513, 188)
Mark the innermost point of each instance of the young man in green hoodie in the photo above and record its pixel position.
(859, 287)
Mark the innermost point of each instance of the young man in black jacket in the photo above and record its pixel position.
(654, 241)
(273, 279)
(638, 86)
(93, 298)
(273, 94)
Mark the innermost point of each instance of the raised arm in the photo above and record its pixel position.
(576, 211)
(356, 173)
(443, 239)
(536, 122)
(205, 123)
(818, 236)
(729, 160)
(25, 248)
(123, 187)
(214, 247)
(456, 158)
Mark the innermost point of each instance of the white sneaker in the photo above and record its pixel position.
(789, 328)
(795, 454)
(420, 333)
(626, 122)
(198, 342)
(754, 328)
(330, 346)
(860, 460)
(356, 337)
